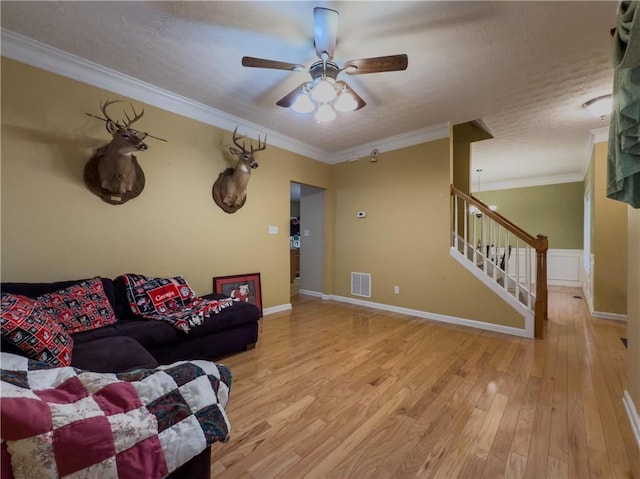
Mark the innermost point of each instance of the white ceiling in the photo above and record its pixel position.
(522, 68)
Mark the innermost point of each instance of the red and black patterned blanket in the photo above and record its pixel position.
(171, 300)
(65, 422)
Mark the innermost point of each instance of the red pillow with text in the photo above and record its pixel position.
(25, 324)
(80, 307)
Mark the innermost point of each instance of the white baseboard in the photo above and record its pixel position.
(276, 309)
(308, 292)
(587, 296)
(615, 316)
(589, 299)
(632, 413)
(435, 316)
(316, 294)
(601, 314)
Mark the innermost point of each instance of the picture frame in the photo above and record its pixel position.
(244, 287)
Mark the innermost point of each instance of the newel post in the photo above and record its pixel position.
(542, 245)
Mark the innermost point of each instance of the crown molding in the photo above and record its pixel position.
(600, 134)
(411, 138)
(25, 50)
(37, 54)
(535, 181)
(597, 135)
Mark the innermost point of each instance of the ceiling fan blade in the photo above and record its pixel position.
(325, 23)
(274, 64)
(390, 63)
(361, 103)
(288, 100)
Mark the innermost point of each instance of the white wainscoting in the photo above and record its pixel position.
(564, 266)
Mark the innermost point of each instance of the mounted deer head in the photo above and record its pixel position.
(230, 189)
(113, 173)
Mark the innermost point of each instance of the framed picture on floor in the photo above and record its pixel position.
(241, 287)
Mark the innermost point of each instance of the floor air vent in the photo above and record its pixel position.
(361, 284)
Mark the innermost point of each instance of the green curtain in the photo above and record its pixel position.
(623, 159)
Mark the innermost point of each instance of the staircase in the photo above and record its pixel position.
(503, 256)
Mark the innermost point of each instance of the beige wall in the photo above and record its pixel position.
(633, 321)
(54, 228)
(552, 210)
(404, 239)
(616, 276)
(461, 163)
(609, 244)
(463, 135)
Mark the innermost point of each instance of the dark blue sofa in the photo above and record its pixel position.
(133, 342)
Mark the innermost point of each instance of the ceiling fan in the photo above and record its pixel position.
(324, 91)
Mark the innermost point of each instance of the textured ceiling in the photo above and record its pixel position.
(522, 68)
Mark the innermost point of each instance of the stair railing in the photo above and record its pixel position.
(504, 252)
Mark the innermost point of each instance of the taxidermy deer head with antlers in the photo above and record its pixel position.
(113, 173)
(230, 189)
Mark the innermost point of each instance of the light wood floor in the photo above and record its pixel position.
(341, 391)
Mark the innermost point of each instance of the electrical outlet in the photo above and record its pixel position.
(396, 290)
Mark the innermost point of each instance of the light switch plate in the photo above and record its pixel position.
(273, 230)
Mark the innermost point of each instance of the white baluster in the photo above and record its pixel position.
(517, 256)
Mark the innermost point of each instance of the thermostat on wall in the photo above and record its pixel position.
(361, 214)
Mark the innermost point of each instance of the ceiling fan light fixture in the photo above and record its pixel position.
(324, 90)
(599, 107)
(325, 113)
(324, 93)
(345, 102)
(303, 104)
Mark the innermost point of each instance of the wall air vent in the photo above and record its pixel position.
(361, 284)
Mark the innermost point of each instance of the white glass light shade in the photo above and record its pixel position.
(303, 104)
(345, 102)
(475, 211)
(325, 113)
(599, 107)
(324, 91)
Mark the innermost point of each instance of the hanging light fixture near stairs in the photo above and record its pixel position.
(473, 210)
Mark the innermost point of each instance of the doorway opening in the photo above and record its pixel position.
(294, 238)
(306, 241)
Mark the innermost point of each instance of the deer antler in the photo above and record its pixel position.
(104, 106)
(136, 117)
(261, 146)
(235, 140)
(130, 121)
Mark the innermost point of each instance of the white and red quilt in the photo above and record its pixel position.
(69, 423)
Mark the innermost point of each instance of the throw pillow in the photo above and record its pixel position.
(80, 307)
(157, 295)
(26, 325)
